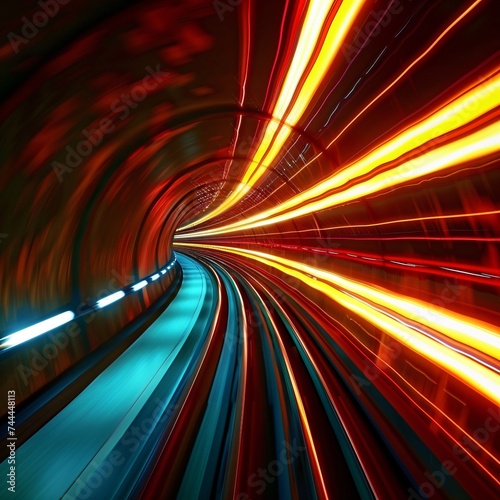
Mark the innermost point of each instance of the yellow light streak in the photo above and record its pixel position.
(354, 295)
(460, 112)
(279, 128)
(422, 56)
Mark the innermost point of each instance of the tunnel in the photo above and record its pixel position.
(250, 249)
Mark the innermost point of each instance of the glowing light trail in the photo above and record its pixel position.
(369, 303)
(279, 128)
(40, 328)
(459, 113)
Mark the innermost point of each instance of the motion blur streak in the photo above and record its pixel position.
(250, 249)
(276, 134)
(414, 63)
(457, 327)
(460, 112)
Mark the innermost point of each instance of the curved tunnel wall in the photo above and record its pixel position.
(125, 126)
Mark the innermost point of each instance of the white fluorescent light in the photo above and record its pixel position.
(110, 299)
(155, 277)
(37, 329)
(139, 285)
(163, 271)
